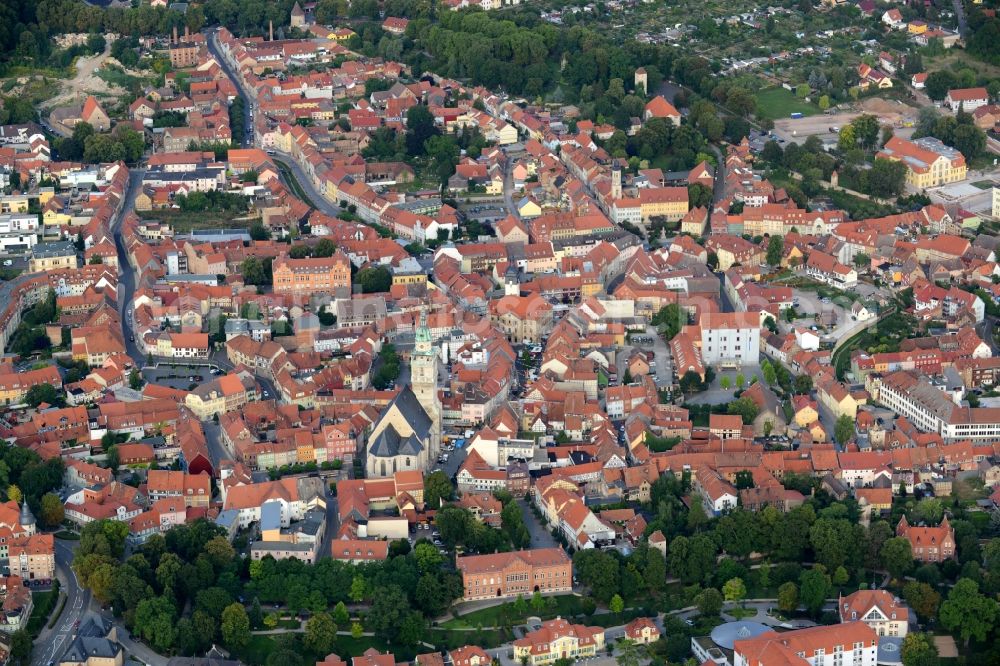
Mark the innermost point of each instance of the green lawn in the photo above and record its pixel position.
(566, 605)
(43, 602)
(185, 221)
(67, 535)
(777, 103)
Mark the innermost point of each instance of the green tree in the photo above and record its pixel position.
(437, 489)
(775, 249)
(744, 406)
(340, 615)
(235, 626)
(709, 602)
(734, 590)
(968, 612)
(617, 605)
(419, 128)
(788, 597)
(321, 632)
(669, 320)
(374, 279)
(843, 430)
(42, 393)
(51, 512)
(357, 630)
(20, 647)
(814, 587)
(358, 589)
(897, 557)
(725, 383)
(918, 649)
(803, 384)
(922, 598)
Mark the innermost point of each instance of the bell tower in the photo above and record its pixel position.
(424, 382)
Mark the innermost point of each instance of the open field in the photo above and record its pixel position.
(779, 103)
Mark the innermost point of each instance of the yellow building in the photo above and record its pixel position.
(667, 202)
(53, 256)
(558, 639)
(929, 162)
(17, 203)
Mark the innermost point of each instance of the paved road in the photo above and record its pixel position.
(52, 643)
(126, 277)
(508, 188)
(316, 197)
(963, 26)
(540, 535)
(250, 104)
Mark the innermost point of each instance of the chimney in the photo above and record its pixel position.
(187, 34)
(270, 31)
(175, 34)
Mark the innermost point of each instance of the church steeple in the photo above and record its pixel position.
(424, 380)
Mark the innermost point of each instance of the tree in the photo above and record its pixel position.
(840, 577)
(766, 369)
(922, 598)
(357, 630)
(709, 602)
(740, 380)
(617, 605)
(725, 383)
(847, 139)
(734, 590)
(968, 612)
(699, 196)
(939, 83)
(358, 589)
(419, 128)
(390, 607)
(886, 178)
(154, 621)
(135, 380)
(40, 393)
(340, 615)
(14, 494)
(803, 384)
(374, 280)
(866, 129)
(918, 649)
(235, 626)
(321, 632)
(897, 556)
(20, 647)
(628, 653)
(788, 597)
(744, 480)
(259, 232)
(744, 406)
(814, 587)
(437, 489)
(51, 512)
(775, 248)
(669, 320)
(843, 430)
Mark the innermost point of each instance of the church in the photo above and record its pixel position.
(407, 436)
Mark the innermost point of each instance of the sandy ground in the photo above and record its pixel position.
(86, 82)
(888, 111)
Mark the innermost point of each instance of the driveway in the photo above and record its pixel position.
(540, 535)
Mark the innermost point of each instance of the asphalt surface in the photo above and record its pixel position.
(52, 643)
(126, 277)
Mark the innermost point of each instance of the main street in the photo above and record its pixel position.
(126, 273)
(52, 643)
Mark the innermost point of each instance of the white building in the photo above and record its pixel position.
(850, 644)
(730, 339)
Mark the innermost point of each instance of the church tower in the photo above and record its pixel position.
(424, 382)
(616, 181)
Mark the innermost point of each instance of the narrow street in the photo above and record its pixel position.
(52, 643)
(126, 273)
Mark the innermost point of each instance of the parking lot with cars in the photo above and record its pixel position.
(180, 376)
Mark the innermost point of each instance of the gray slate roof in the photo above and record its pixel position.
(389, 442)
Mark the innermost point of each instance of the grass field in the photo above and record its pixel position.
(183, 222)
(777, 103)
(44, 602)
(566, 605)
